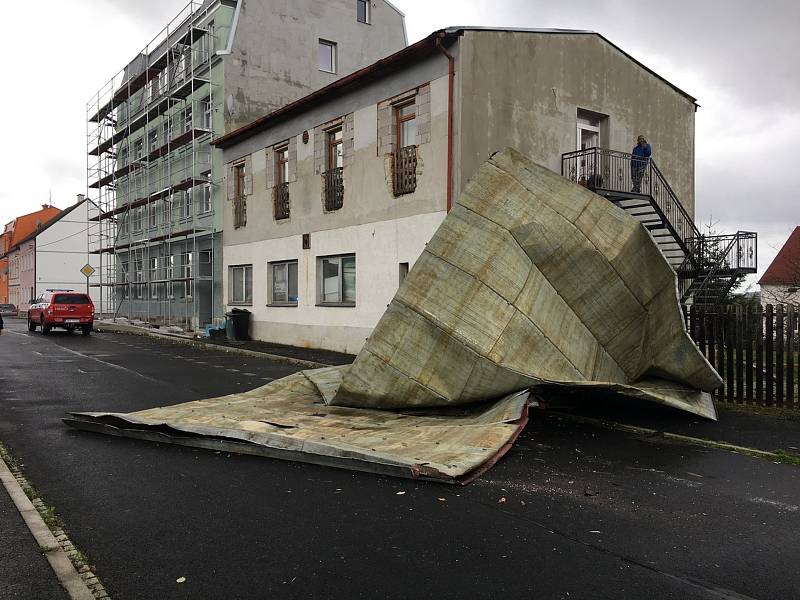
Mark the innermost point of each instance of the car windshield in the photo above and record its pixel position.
(70, 299)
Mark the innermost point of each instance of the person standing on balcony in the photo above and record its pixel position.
(640, 158)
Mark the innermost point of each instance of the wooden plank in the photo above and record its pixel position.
(720, 326)
(769, 376)
(790, 357)
(739, 363)
(730, 349)
(759, 343)
(748, 359)
(779, 368)
(711, 350)
(702, 331)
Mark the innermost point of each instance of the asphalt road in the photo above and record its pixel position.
(573, 511)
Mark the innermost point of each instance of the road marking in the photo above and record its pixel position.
(776, 504)
(16, 333)
(108, 364)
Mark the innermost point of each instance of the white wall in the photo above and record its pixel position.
(61, 251)
(379, 248)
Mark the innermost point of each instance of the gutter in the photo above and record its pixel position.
(451, 72)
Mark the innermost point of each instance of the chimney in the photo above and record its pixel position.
(45, 206)
(80, 198)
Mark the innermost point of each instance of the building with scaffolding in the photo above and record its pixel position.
(156, 220)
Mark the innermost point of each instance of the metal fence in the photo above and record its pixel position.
(281, 201)
(405, 170)
(334, 189)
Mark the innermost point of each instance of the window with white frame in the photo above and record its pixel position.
(187, 118)
(336, 280)
(327, 56)
(186, 273)
(138, 149)
(283, 283)
(153, 139)
(240, 284)
(153, 215)
(206, 201)
(362, 11)
(137, 218)
(169, 274)
(205, 106)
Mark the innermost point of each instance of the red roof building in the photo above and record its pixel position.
(785, 269)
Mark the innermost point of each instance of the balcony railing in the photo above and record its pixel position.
(239, 211)
(609, 171)
(404, 169)
(281, 201)
(334, 189)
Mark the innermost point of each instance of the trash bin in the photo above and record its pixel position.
(237, 324)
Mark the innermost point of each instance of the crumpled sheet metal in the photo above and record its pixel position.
(531, 280)
(288, 419)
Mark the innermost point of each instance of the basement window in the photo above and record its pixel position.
(327, 56)
(283, 283)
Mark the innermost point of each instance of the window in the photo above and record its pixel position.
(335, 156)
(282, 165)
(167, 130)
(283, 283)
(187, 119)
(240, 284)
(403, 271)
(206, 205)
(186, 273)
(327, 56)
(336, 277)
(122, 158)
(281, 193)
(205, 263)
(137, 218)
(153, 139)
(406, 118)
(205, 106)
(169, 274)
(404, 179)
(123, 225)
(182, 202)
(238, 180)
(138, 149)
(362, 11)
(151, 209)
(239, 200)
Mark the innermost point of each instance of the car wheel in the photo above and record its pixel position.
(31, 325)
(87, 329)
(45, 327)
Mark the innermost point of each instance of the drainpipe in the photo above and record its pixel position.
(451, 76)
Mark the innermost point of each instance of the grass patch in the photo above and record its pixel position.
(776, 412)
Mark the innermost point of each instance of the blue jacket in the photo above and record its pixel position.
(641, 154)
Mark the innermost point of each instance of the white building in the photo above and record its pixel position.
(331, 199)
(52, 256)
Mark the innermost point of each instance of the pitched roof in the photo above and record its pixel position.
(409, 54)
(25, 225)
(785, 268)
(61, 214)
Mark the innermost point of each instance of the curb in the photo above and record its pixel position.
(184, 341)
(687, 439)
(76, 585)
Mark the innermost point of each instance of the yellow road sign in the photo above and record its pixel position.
(88, 270)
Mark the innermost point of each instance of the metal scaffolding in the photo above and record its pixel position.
(150, 169)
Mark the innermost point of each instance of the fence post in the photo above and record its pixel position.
(720, 327)
(779, 389)
(739, 325)
(760, 354)
(770, 356)
(748, 340)
(790, 358)
(730, 349)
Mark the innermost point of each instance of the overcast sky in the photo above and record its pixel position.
(738, 57)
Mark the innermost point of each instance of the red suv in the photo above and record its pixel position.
(62, 308)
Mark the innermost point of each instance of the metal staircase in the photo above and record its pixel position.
(708, 266)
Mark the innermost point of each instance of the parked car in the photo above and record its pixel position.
(8, 310)
(62, 308)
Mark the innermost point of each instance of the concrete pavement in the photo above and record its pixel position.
(573, 511)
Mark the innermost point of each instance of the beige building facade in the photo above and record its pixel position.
(331, 199)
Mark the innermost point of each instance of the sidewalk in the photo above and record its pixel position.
(769, 430)
(24, 570)
(308, 358)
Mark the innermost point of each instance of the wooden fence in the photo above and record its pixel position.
(754, 349)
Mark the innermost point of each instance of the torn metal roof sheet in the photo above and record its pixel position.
(531, 281)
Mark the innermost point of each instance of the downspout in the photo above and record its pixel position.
(451, 78)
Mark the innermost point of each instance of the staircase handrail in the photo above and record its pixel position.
(722, 260)
(595, 177)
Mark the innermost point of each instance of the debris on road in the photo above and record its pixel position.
(530, 282)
